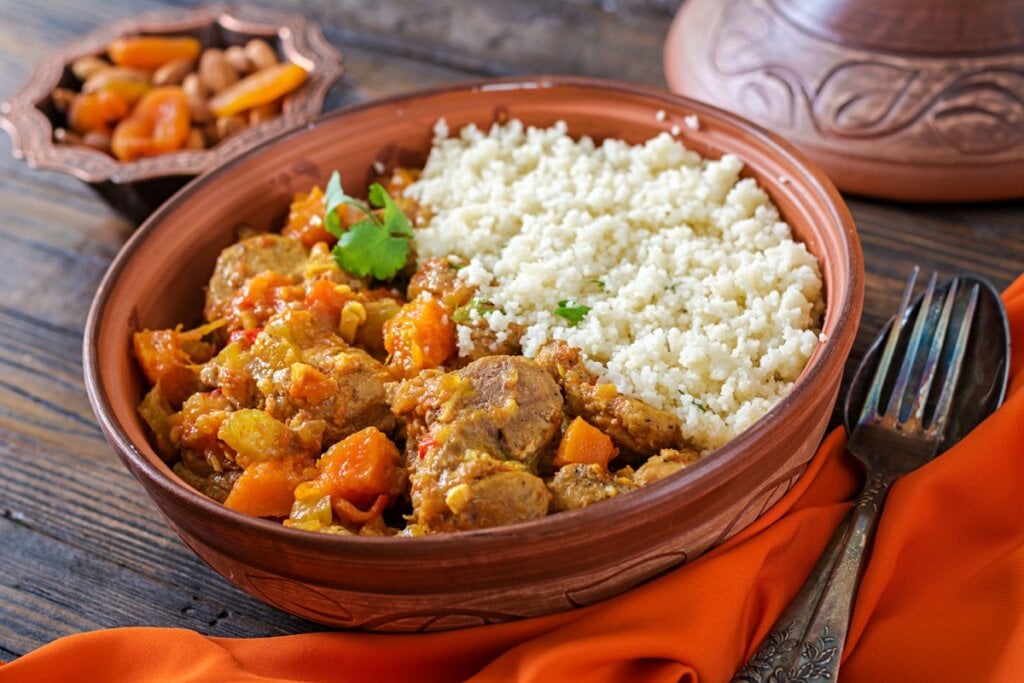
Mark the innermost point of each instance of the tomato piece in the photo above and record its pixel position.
(420, 336)
(152, 52)
(260, 88)
(584, 443)
(159, 123)
(96, 111)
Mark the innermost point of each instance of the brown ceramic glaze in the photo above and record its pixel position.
(896, 99)
(136, 188)
(455, 580)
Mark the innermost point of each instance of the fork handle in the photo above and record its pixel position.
(807, 640)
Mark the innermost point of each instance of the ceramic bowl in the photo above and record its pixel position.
(136, 188)
(448, 581)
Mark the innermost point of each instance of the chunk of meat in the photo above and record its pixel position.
(440, 278)
(307, 372)
(487, 342)
(476, 438)
(580, 485)
(632, 424)
(247, 258)
(503, 405)
(667, 462)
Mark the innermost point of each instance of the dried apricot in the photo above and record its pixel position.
(152, 52)
(96, 111)
(158, 124)
(260, 88)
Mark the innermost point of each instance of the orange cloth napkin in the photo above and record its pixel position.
(942, 598)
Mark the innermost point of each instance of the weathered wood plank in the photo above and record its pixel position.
(83, 546)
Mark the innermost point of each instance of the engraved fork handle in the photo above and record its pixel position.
(806, 642)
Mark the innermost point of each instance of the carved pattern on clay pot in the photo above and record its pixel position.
(971, 106)
(895, 122)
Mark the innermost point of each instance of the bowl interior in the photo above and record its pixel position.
(158, 279)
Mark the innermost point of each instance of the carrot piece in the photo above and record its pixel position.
(358, 469)
(583, 443)
(306, 218)
(160, 351)
(152, 52)
(262, 87)
(266, 489)
(420, 336)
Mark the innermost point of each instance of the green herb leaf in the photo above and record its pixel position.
(700, 406)
(599, 283)
(333, 197)
(573, 313)
(465, 313)
(394, 219)
(372, 246)
(367, 249)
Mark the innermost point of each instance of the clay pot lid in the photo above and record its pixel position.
(919, 101)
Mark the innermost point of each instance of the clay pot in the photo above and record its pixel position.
(462, 579)
(904, 100)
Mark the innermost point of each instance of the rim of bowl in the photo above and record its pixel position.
(302, 42)
(712, 466)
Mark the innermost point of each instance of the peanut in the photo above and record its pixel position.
(102, 80)
(62, 98)
(260, 54)
(68, 137)
(195, 140)
(173, 72)
(214, 70)
(98, 140)
(84, 67)
(264, 112)
(195, 93)
(237, 59)
(229, 125)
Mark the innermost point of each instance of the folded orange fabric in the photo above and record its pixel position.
(942, 598)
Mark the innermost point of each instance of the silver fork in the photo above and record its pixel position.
(807, 640)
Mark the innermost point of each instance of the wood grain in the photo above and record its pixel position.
(82, 546)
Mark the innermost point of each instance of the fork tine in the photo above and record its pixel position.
(956, 361)
(873, 397)
(934, 352)
(900, 388)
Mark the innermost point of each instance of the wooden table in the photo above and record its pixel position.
(81, 547)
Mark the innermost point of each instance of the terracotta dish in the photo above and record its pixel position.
(905, 100)
(462, 579)
(136, 188)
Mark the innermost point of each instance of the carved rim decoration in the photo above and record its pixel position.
(299, 40)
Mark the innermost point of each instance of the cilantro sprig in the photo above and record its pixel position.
(375, 246)
(465, 313)
(571, 311)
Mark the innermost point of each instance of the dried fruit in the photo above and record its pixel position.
(96, 111)
(261, 88)
(158, 124)
(152, 52)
